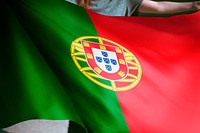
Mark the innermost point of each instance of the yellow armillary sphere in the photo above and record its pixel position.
(106, 63)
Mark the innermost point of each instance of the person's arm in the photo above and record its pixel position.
(148, 6)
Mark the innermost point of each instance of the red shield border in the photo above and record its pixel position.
(123, 70)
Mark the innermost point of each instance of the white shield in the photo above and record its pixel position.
(106, 60)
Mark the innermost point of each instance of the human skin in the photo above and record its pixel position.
(149, 6)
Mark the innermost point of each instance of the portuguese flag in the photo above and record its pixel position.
(59, 61)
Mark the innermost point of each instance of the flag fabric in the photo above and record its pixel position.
(108, 74)
(28, 87)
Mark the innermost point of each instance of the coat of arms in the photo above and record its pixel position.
(106, 63)
(106, 60)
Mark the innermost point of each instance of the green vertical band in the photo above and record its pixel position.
(52, 26)
(28, 87)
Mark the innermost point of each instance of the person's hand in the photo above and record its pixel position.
(85, 3)
(196, 5)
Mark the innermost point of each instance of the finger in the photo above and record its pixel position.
(88, 3)
(82, 3)
(196, 5)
